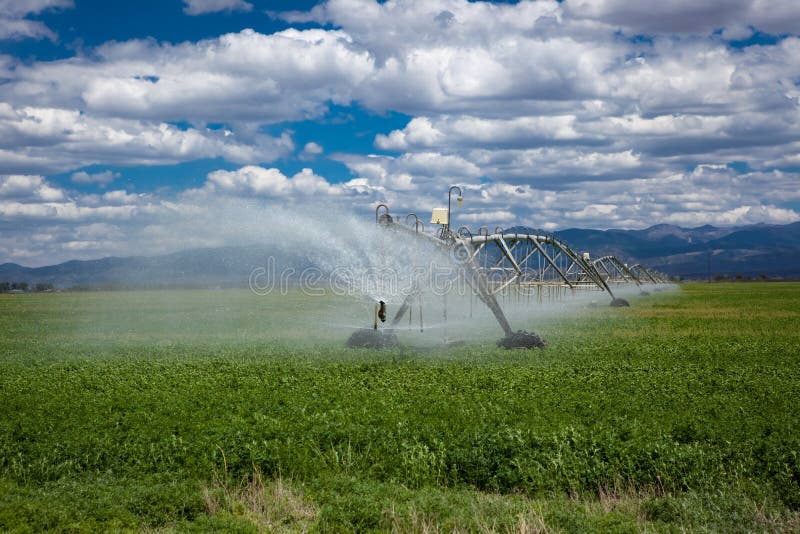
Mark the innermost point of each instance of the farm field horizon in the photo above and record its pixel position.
(224, 410)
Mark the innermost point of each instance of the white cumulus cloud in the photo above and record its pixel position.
(14, 23)
(259, 181)
(52, 140)
(594, 113)
(311, 150)
(101, 178)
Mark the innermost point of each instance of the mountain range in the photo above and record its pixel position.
(702, 252)
(691, 253)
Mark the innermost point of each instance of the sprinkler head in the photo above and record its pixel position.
(382, 312)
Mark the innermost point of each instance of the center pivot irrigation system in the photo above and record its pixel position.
(496, 263)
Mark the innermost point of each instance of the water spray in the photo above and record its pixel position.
(501, 264)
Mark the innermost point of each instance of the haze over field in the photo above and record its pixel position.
(691, 253)
(139, 128)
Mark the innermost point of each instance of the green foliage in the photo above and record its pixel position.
(678, 412)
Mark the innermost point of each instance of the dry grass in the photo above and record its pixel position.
(271, 505)
(531, 522)
(480, 515)
(771, 521)
(417, 522)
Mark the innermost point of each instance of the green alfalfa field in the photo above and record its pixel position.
(221, 410)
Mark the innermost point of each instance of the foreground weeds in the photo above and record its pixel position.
(272, 505)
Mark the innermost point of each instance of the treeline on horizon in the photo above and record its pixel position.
(25, 287)
(6, 287)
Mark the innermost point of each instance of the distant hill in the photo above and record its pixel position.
(225, 266)
(771, 250)
(692, 253)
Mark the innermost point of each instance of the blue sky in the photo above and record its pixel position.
(120, 120)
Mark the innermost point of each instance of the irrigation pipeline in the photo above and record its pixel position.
(513, 266)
